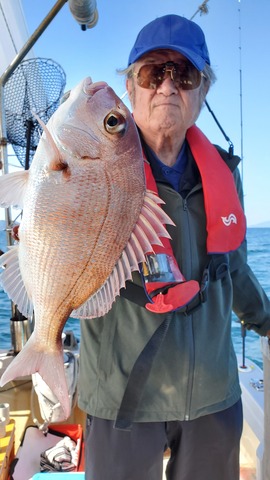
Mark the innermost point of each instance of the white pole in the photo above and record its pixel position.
(266, 370)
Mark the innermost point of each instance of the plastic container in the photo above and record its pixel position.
(59, 476)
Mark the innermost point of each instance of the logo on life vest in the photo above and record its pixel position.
(229, 220)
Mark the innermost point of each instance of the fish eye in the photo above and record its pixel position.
(115, 122)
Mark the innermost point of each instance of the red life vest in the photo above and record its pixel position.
(226, 227)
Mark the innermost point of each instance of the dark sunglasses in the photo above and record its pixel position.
(184, 75)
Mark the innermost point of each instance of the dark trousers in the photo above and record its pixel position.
(203, 449)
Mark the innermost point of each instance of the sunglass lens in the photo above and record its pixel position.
(150, 76)
(184, 75)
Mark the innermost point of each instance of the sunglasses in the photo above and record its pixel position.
(184, 75)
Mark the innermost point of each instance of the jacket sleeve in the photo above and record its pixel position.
(250, 302)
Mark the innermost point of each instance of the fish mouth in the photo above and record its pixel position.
(91, 88)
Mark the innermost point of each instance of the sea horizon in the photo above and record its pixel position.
(258, 240)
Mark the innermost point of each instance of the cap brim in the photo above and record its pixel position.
(196, 60)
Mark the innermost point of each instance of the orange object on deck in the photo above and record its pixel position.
(7, 450)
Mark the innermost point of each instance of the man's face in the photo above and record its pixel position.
(165, 109)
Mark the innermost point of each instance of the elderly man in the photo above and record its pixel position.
(145, 391)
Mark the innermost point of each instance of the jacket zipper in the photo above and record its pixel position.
(190, 332)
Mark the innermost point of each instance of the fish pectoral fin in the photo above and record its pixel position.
(12, 189)
(12, 282)
(101, 302)
(146, 233)
(56, 162)
(49, 365)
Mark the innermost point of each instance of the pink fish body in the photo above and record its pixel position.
(87, 223)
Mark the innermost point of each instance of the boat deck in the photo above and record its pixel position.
(18, 395)
(248, 472)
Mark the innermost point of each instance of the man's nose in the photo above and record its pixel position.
(167, 87)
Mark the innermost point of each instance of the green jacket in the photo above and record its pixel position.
(195, 371)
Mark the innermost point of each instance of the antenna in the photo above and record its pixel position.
(243, 330)
(204, 9)
(241, 89)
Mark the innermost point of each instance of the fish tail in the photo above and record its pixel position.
(49, 365)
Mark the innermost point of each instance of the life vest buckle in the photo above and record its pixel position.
(176, 298)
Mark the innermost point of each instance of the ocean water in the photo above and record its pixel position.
(259, 260)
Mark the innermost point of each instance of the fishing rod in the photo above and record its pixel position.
(231, 147)
(204, 10)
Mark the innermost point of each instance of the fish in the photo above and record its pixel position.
(88, 221)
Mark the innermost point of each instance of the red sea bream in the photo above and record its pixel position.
(86, 224)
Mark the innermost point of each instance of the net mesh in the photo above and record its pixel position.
(36, 85)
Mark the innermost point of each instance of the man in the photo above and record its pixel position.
(183, 391)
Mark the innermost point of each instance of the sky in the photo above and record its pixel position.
(238, 38)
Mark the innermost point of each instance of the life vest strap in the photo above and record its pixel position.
(137, 294)
(138, 377)
(143, 365)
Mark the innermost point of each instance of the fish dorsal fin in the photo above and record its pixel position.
(12, 281)
(12, 189)
(148, 229)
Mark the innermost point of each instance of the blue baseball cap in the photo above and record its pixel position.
(174, 33)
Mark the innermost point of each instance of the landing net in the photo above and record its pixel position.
(36, 85)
